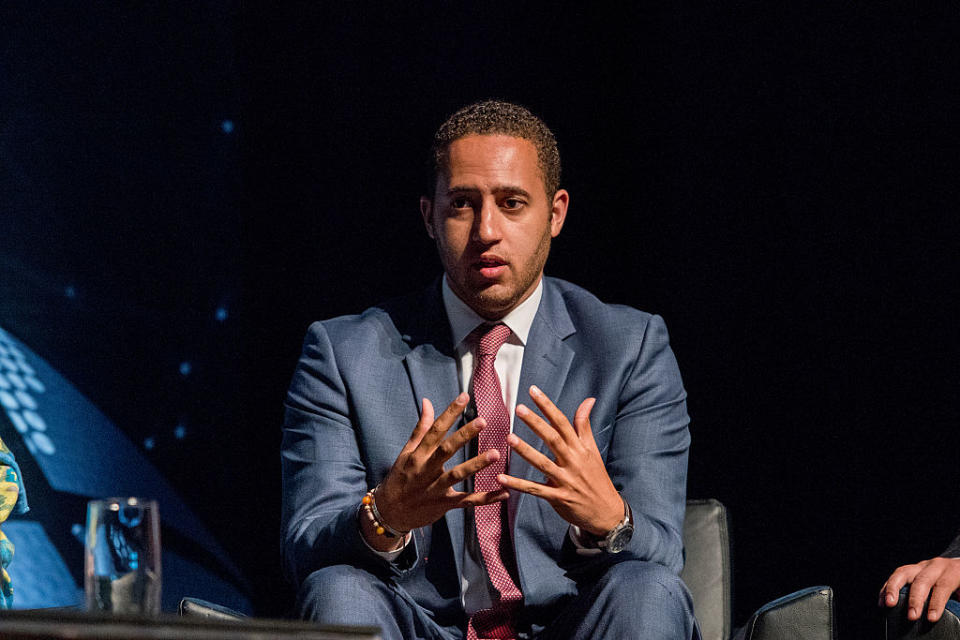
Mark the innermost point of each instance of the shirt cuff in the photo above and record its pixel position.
(389, 556)
(586, 546)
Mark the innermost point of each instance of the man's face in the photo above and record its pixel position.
(492, 221)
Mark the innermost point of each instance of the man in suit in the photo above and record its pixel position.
(544, 497)
(937, 578)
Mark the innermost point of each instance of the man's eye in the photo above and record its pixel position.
(461, 203)
(512, 203)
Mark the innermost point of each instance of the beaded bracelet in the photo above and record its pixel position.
(369, 504)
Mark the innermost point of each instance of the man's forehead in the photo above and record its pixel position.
(475, 154)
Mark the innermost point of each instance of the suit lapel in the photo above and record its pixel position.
(546, 362)
(432, 367)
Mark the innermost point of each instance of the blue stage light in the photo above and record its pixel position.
(227, 126)
(34, 420)
(70, 291)
(149, 443)
(179, 432)
(18, 422)
(34, 383)
(221, 314)
(8, 401)
(26, 400)
(185, 368)
(17, 381)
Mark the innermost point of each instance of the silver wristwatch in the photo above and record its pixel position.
(619, 537)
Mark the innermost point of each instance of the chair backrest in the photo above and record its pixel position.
(707, 569)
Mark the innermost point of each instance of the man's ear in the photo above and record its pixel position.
(426, 210)
(558, 212)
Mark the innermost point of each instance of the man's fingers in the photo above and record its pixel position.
(546, 466)
(581, 420)
(938, 601)
(533, 488)
(553, 415)
(480, 498)
(889, 596)
(444, 421)
(468, 468)
(426, 419)
(550, 436)
(946, 583)
(461, 436)
(900, 577)
(919, 590)
(937, 578)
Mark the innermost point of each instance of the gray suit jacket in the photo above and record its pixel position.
(353, 403)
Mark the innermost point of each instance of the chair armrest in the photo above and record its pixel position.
(807, 614)
(897, 626)
(197, 608)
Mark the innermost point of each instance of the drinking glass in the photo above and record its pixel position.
(122, 559)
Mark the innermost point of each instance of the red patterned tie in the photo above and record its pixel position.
(497, 621)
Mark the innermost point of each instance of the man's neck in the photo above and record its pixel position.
(463, 319)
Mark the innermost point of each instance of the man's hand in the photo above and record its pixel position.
(938, 578)
(417, 490)
(578, 486)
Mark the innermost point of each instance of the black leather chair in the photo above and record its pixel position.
(897, 627)
(804, 615)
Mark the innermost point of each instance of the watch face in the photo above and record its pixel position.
(620, 540)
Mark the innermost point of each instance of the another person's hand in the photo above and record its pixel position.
(417, 490)
(578, 486)
(938, 578)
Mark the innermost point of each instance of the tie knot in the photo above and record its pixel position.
(492, 338)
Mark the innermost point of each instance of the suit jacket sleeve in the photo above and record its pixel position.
(324, 475)
(648, 446)
(953, 551)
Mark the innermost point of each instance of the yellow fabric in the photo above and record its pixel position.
(9, 491)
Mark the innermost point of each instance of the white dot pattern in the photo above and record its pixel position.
(497, 621)
(19, 391)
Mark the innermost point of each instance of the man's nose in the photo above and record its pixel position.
(486, 228)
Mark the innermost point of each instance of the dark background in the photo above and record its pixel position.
(196, 182)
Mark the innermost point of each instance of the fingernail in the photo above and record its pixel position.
(534, 391)
(493, 455)
(512, 440)
(913, 613)
(462, 398)
(520, 409)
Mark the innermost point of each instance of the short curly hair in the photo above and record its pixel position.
(492, 117)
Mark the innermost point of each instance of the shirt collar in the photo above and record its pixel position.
(463, 319)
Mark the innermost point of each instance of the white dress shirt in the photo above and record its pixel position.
(474, 585)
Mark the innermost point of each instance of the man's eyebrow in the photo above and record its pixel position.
(498, 189)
